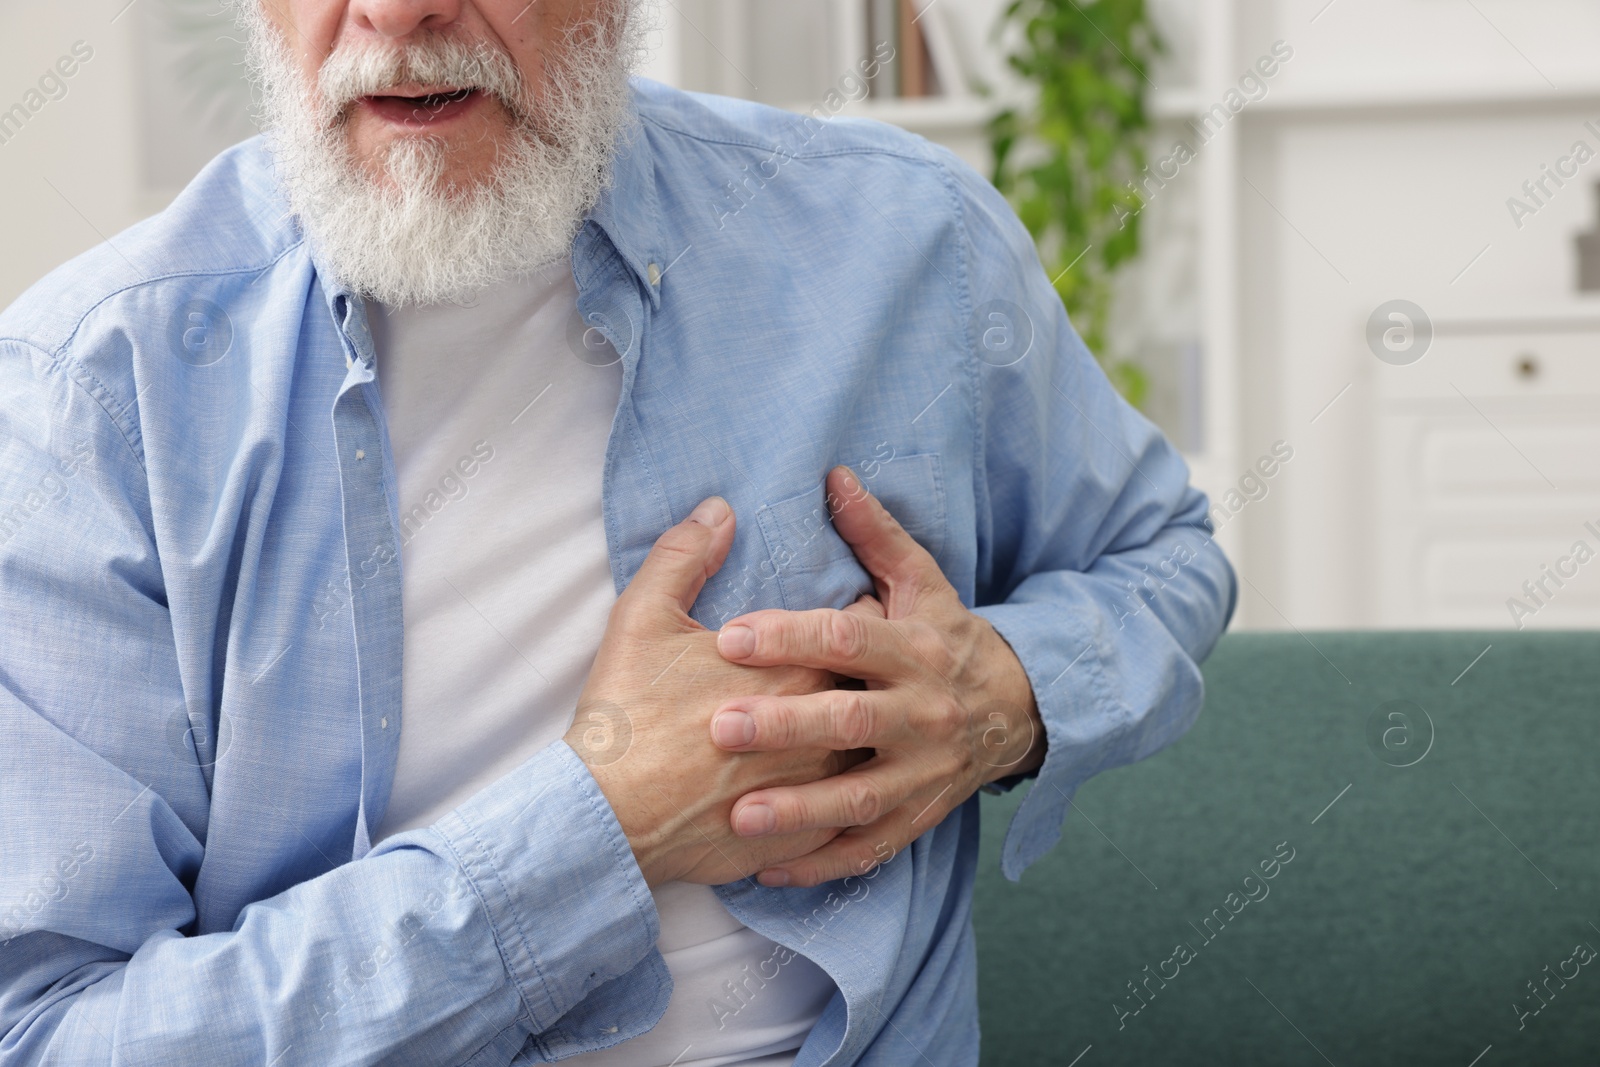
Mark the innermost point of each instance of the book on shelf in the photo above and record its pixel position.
(917, 77)
(926, 61)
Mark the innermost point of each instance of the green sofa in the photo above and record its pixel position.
(1440, 903)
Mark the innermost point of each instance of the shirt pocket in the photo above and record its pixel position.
(813, 564)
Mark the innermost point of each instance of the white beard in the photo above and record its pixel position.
(422, 238)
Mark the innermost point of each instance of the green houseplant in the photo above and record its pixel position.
(1069, 162)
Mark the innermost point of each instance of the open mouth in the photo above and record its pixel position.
(435, 101)
(422, 108)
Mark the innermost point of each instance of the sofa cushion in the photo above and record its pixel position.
(1363, 853)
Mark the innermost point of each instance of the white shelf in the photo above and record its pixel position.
(1186, 103)
(1369, 98)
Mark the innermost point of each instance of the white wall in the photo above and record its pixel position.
(67, 177)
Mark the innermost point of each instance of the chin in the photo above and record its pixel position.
(470, 156)
(459, 173)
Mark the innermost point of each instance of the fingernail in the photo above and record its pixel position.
(755, 820)
(712, 512)
(733, 728)
(773, 878)
(736, 642)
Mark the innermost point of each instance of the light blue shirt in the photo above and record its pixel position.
(200, 643)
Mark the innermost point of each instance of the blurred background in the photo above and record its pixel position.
(1345, 252)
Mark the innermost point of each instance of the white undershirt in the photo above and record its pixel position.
(499, 434)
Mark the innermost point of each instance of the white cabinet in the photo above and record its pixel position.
(1487, 476)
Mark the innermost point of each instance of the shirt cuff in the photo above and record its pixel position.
(568, 905)
(1059, 646)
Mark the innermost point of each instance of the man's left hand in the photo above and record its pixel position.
(947, 706)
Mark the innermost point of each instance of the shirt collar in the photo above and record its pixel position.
(628, 211)
(627, 214)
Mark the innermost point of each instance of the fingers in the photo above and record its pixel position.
(685, 556)
(868, 606)
(860, 848)
(880, 543)
(857, 644)
(853, 853)
(837, 719)
(858, 797)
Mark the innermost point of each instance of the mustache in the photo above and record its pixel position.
(351, 73)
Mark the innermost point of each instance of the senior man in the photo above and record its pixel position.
(525, 564)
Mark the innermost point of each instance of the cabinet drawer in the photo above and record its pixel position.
(1535, 365)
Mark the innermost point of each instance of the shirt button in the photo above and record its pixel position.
(361, 454)
(383, 723)
(655, 274)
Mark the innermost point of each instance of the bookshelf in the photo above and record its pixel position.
(792, 55)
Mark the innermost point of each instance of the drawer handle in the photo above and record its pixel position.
(1527, 366)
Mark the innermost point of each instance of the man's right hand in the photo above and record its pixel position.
(642, 722)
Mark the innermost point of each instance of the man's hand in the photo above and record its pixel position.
(642, 720)
(947, 706)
